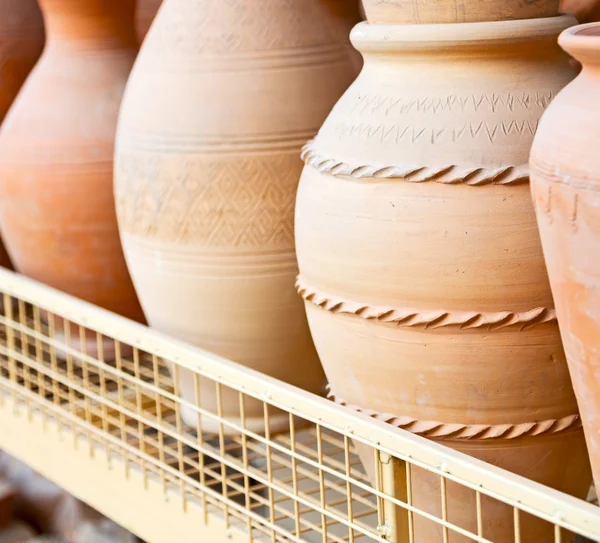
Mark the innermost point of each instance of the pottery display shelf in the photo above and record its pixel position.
(111, 434)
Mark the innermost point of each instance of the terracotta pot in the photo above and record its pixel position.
(56, 155)
(420, 261)
(221, 98)
(144, 15)
(565, 173)
(22, 38)
(586, 11)
(455, 11)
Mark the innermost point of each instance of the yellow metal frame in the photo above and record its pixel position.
(111, 433)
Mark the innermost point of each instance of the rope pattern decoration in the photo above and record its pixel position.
(466, 431)
(452, 175)
(435, 318)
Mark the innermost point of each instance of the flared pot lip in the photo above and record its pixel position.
(582, 42)
(382, 38)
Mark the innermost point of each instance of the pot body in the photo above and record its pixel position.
(220, 101)
(420, 261)
(22, 37)
(565, 183)
(57, 209)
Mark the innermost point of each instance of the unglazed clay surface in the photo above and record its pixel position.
(219, 104)
(455, 11)
(420, 261)
(565, 183)
(56, 155)
(21, 44)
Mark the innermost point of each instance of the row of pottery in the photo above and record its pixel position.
(220, 102)
(421, 267)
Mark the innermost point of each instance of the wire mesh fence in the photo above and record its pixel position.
(272, 460)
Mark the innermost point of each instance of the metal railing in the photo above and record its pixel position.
(113, 385)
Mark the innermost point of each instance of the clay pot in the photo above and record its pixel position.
(455, 11)
(220, 101)
(420, 261)
(586, 11)
(22, 38)
(565, 173)
(56, 155)
(144, 15)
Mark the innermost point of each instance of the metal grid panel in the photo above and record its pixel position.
(113, 385)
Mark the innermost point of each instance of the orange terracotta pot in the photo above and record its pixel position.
(56, 155)
(420, 261)
(455, 11)
(586, 11)
(144, 15)
(22, 39)
(565, 183)
(221, 98)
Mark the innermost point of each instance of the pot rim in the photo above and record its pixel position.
(382, 38)
(582, 42)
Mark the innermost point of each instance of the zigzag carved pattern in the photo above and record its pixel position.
(232, 201)
(431, 319)
(453, 174)
(434, 429)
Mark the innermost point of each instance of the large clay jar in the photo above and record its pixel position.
(57, 211)
(22, 41)
(215, 113)
(565, 182)
(144, 15)
(420, 261)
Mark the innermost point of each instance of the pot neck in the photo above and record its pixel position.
(521, 37)
(582, 42)
(103, 23)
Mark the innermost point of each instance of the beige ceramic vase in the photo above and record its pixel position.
(420, 261)
(57, 210)
(22, 41)
(219, 103)
(565, 183)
